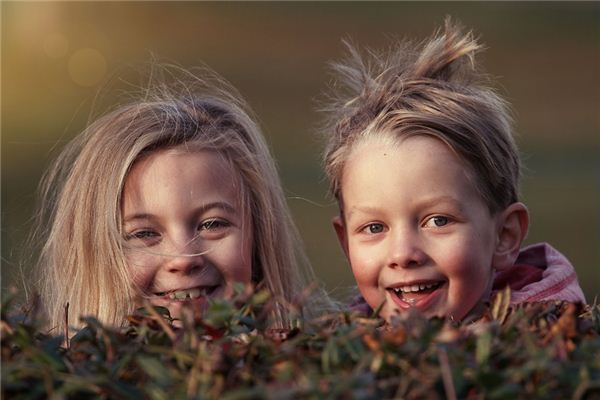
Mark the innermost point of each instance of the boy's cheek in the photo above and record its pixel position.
(369, 289)
(366, 275)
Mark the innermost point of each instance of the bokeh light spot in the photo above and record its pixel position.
(56, 45)
(87, 67)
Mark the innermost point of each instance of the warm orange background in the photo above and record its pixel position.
(546, 57)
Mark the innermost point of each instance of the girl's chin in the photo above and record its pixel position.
(198, 305)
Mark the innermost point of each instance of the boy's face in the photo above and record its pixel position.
(186, 237)
(415, 230)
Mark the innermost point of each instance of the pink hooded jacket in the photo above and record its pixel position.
(540, 273)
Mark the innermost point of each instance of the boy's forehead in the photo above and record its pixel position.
(382, 140)
(428, 160)
(376, 138)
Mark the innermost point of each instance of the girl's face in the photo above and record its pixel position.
(186, 236)
(415, 230)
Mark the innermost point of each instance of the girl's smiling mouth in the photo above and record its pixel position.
(416, 294)
(188, 294)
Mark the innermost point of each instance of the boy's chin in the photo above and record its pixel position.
(430, 305)
(403, 313)
(453, 315)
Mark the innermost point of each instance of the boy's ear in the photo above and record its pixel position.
(340, 230)
(512, 228)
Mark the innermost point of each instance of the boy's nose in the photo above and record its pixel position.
(405, 250)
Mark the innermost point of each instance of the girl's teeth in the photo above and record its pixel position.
(187, 294)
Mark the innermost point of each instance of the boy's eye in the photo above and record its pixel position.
(373, 228)
(437, 221)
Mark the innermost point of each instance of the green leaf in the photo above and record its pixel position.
(155, 369)
(484, 345)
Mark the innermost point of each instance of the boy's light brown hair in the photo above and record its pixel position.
(430, 89)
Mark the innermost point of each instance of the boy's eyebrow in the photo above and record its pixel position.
(199, 210)
(440, 199)
(363, 209)
(429, 202)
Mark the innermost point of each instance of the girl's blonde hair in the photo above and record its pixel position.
(430, 89)
(82, 261)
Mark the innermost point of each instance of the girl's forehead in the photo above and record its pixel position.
(168, 183)
(184, 158)
(205, 167)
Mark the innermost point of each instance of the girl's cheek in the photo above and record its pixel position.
(242, 274)
(140, 280)
(142, 270)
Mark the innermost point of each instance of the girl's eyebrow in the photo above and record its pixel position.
(199, 210)
(216, 204)
(137, 217)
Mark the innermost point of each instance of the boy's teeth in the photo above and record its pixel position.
(187, 294)
(414, 288)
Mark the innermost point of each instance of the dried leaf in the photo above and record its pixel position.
(540, 351)
(500, 305)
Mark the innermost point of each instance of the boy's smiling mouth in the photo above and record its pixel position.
(415, 294)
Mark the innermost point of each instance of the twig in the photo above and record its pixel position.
(446, 374)
(161, 321)
(67, 341)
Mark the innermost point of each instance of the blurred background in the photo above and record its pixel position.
(57, 58)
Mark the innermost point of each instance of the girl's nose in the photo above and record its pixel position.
(405, 250)
(183, 264)
(184, 257)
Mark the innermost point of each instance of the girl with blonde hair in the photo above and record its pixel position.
(173, 197)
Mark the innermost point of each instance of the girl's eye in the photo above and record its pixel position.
(437, 221)
(373, 228)
(213, 224)
(143, 234)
